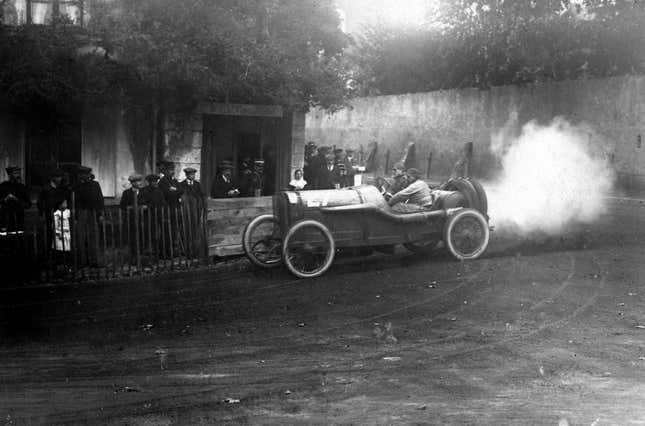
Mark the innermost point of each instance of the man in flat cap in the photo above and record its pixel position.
(415, 197)
(193, 211)
(14, 200)
(89, 204)
(223, 185)
(135, 192)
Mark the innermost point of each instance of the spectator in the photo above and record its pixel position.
(169, 185)
(153, 196)
(134, 192)
(298, 183)
(133, 222)
(325, 170)
(246, 177)
(257, 178)
(50, 198)
(223, 186)
(62, 241)
(14, 200)
(89, 205)
(193, 209)
(308, 168)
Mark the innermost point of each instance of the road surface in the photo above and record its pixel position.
(546, 331)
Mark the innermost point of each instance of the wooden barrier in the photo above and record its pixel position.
(226, 219)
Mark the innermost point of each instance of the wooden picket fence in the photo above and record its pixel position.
(81, 244)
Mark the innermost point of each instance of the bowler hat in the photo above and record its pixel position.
(189, 170)
(152, 177)
(135, 177)
(11, 169)
(84, 169)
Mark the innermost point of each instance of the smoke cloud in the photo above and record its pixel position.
(551, 177)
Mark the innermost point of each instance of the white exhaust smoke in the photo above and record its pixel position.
(551, 178)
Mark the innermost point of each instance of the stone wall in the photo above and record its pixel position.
(441, 122)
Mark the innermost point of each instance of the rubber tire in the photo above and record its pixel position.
(466, 189)
(246, 243)
(483, 199)
(330, 255)
(450, 225)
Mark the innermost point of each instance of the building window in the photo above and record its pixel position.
(42, 12)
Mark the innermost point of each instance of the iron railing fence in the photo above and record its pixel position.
(86, 244)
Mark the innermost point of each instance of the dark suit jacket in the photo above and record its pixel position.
(325, 178)
(153, 196)
(88, 196)
(192, 193)
(220, 187)
(50, 197)
(127, 198)
(172, 197)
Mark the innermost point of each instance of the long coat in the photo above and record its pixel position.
(171, 190)
(12, 212)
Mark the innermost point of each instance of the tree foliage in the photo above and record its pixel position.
(485, 43)
(173, 54)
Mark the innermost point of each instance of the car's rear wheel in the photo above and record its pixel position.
(467, 234)
(481, 194)
(262, 241)
(308, 249)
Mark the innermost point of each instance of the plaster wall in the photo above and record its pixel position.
(442, 122)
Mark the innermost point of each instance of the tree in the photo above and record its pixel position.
(493, 42)
(271, 51)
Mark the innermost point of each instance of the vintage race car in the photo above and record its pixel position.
(309, 227)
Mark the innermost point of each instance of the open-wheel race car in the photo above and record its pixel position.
(309, 227)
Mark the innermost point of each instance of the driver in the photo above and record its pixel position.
(413, 198)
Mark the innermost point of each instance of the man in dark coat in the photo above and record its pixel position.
(193, 211)
(132, 217)
(155, 214)
(245, 177)
(169, 185)
(89, 204)
(153, 196)
(223, 185)
(14, 199)
(49, 199)
(308, 168)
(325, 174)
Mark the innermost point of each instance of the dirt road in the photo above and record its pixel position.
(536, 332)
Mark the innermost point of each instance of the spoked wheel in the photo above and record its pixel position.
(467, 234)
(422, 247)
(262, 241)
(308, 249)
